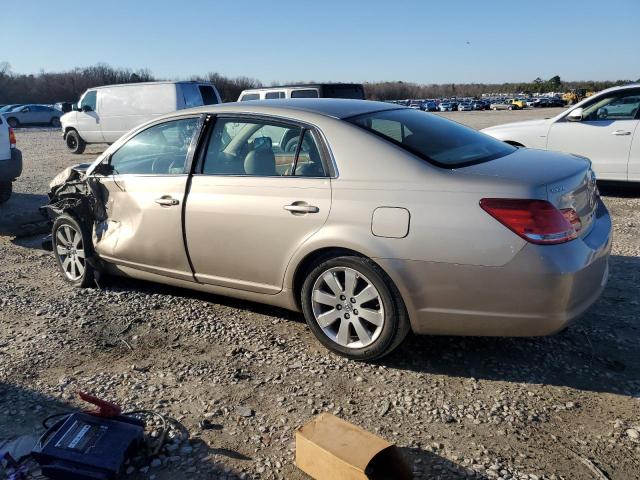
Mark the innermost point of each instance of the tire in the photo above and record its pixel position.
(72, 249)
(55, 122)
(509, 108)
(13, 122)
(345, 330)
(6, 188)
(74, 142)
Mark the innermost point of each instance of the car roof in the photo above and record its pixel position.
(329, 107)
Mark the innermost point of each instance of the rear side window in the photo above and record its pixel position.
(191, 95)
(306, 93)
(159, 150)
(344, 91)
(441, 142)
(208, 95)
(272, 95)
(250, 96)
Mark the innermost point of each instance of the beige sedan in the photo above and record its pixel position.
(373, 220)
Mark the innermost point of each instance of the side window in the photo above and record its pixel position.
(272, 95)
(208, 95)
(89, 100)
(159, 150)
(390, 128)
(309, 162)
(306, 93)
(250, 96)
(619, 107)
(191, 95)
(251, 147)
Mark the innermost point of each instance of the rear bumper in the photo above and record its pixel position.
(539, 292)
(11, 168)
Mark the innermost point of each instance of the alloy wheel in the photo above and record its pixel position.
(70, 251)
(347, 307)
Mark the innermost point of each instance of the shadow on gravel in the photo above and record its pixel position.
(431, 465)
(619, 189)
(599, 352)
(20, 216)
(23, 411)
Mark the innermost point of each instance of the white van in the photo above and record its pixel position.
(104, 114)
(307, 90)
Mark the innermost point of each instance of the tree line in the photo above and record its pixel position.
(51, 87)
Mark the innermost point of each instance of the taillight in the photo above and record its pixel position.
(537, 221)
(572, 217)
(12, 138)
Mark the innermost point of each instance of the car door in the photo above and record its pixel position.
(88, 119)
(144, 199)
(252, 203)
(604, 135)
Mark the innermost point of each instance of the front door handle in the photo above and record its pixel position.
(621, 132)
(300, 207)
(167, 201)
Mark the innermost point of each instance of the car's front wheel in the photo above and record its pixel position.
(72, 248)
(74, 142)
(55, 122)
(353, 308)
(13, 122)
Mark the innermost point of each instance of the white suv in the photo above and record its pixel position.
(10, 160)
(605, 128)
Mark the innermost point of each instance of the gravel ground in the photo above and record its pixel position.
(527, 408)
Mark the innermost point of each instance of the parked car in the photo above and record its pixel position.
(603, 127)
(520, 102)
(64, 107)
(365, 227)
(104, 114)
(430, 106)
(556, 102)
(504, 105)
(465, 107)
(478, 105)
(32, 114)
(317, 90)
(416, 104)
(10, 161)
(445, 107)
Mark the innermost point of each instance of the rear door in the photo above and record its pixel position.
(604, 135)
(251, 204)
(144, 200)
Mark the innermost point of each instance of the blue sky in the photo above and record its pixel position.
(327, 40)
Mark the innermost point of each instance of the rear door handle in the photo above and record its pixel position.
(167, 201)
(621, 132)
(301, 208)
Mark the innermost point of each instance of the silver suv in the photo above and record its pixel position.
(10, 161)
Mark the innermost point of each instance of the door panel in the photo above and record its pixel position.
(634, 157)
(239, 233)
(144, 225)
(606, 143)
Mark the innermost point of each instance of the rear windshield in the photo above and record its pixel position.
(442, 142)
(344, 91)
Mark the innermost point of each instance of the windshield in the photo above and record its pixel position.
(442, 142)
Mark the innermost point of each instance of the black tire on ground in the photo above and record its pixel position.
(55, 122)
(396, 324)
(6, 188)
(64, 237)
(74, 142)
(13, 122)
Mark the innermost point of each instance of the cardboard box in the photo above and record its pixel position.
(328, 448)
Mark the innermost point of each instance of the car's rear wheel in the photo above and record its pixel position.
(13, 122)
(6, 188)
(74, 142)
(72, 249)
(353, 308)
(55, 122)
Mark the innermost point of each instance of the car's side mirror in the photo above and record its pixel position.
(575, 115)
(86, 108)
(103, 169)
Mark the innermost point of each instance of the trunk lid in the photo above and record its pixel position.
(568, 179)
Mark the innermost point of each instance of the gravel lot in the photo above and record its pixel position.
(554, 407)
